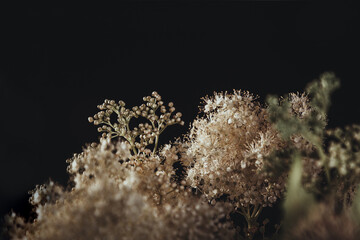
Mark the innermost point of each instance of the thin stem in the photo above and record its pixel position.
(133, 148)
(162, 129)
(254, 210)
(242, 211)
(156, 144)
(116, 135)
(258, 212)
(251, 217)
(156, 138)
(170, 192)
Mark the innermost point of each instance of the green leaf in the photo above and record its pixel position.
(298, 202)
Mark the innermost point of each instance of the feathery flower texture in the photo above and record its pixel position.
(239, 157)
(229, 144)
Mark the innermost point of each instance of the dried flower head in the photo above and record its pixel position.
(146, 133)
(228, 145)
(113, 198)
(238, 157)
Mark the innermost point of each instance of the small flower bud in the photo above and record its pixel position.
(122, 103)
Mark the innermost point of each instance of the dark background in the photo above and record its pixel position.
(58, 63)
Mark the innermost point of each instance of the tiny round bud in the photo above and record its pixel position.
(90, 119)
(171, 104)
(122, 103)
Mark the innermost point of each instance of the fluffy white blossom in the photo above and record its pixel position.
(115, 197)
(228, 145)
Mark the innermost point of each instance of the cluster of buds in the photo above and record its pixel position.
(146, 133)
(45, 193)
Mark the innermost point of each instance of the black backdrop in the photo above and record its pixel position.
(58, 63)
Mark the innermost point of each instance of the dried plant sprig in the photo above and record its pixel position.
(238, 158)
(114, 198)
(310, 124)
(146, 133)
(228, 146)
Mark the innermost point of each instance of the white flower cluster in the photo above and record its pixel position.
(113, 198)
(120, 190)
(98, 160)
(228, 145)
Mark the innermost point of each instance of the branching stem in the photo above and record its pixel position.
(251, 214)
